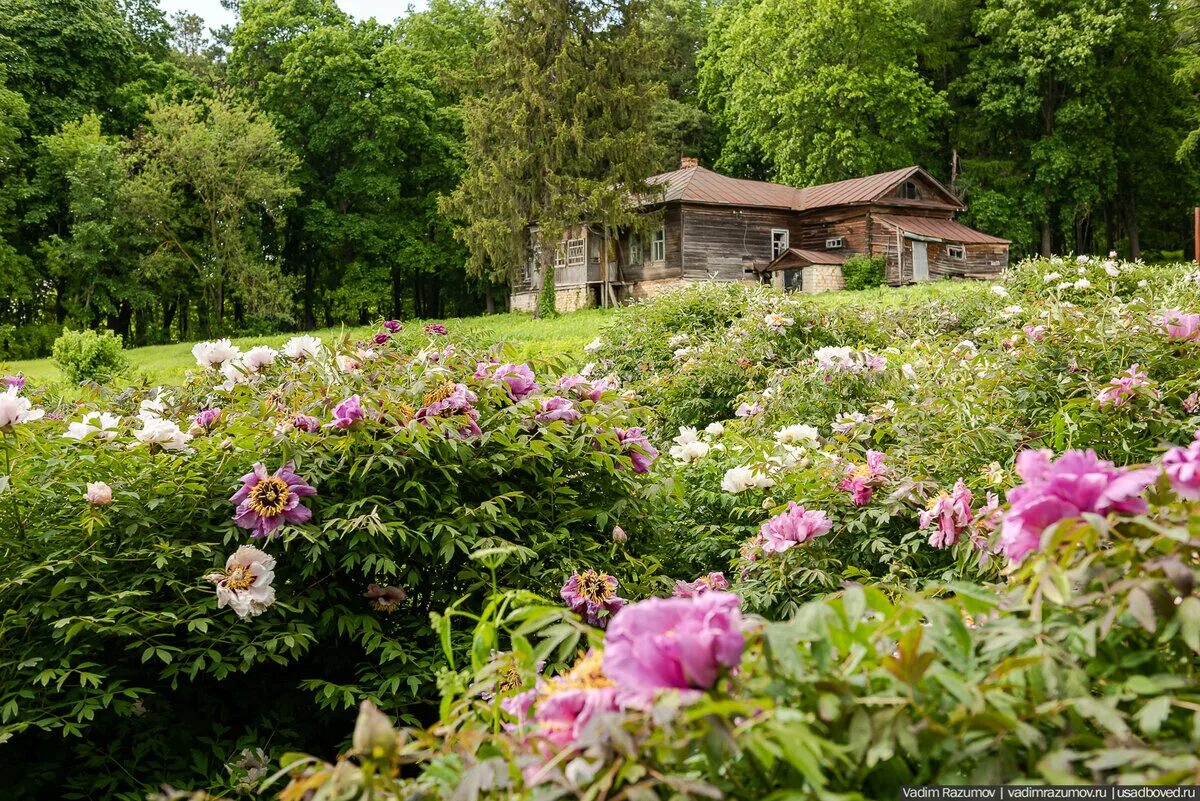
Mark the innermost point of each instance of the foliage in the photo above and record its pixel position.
(547, 302)
(864, 272)
(90, 356)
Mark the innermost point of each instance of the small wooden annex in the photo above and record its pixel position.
(713, 227)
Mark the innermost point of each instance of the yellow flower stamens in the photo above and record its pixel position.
(439, 393)
(594, 587)
(239, 578)
(269, 497)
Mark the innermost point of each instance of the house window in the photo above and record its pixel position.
(833, 243)
(575, 252)
(779, 242)
(909, 191)
(956, 251)
(635, 248)
(658, 245)
(560, 260)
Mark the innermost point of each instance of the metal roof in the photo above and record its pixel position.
(701, 185)
(945, 230)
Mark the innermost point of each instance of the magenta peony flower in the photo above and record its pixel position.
(306, 423)
(266, 502)
(392, 325)
(381, 338)
(207, 418)
(796, 526)
(860, 480)
(641, 453)
(557, 409)
(520, 380)
(1077, 482)
(593, 595)
(951, 513)
(347, 413)
(567, 703)
(1182, 466)
(13, 381)
(436, 328)
(450, 400)
(1123, 387)
(1177, 325)
(674, 643)
(598, 388)
(713, 582)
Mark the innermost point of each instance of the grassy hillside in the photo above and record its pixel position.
(567, 333)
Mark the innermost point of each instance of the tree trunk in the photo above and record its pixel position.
(1047, 244)
(168, 317)
(489, 298)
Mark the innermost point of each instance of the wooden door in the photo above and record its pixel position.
(920, 257)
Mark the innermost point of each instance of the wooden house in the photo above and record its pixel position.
(713, 227)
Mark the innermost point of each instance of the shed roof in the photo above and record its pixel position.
(944, 230)
(795, 257)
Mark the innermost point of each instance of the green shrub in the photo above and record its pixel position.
(89, 356)
(864, 272)
(27, 341)
(547, 307)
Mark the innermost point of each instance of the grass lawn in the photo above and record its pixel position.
(563, 335)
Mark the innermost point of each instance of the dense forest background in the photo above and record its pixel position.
(303, 168)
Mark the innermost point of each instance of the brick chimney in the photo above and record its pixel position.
(687, 162)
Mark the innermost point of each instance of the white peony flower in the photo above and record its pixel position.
(714, 429)
(347, 364)
(593, 346)
(259, 358)
(100, 424)
(999, 290)
(14, 409)
(689, 451)
(1083, 283)
(687, 434)
(798, 435)
(245, 584)
(908, 372)
(677, 341)
(1065, 285)
(157, 431)
(1009, 312)
(154, 407)
(1051, 277)
(777, 322)
(214, 354)
(302, 347)
(740, 479)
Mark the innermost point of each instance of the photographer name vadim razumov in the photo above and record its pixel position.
(1080, 792)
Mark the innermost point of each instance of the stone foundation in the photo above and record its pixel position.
(565, 300)
(646, 290)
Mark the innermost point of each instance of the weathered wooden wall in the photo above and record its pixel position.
(722, 243)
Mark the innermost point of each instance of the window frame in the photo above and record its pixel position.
(835, 243)
(780, 246)
(961, 255)
(635, 248)
(904, 191)
(658, 246)
(576, 252)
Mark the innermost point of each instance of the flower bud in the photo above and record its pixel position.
(99, 494)
(374, 736)
(619, 534)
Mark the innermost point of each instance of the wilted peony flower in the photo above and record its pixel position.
(245, 585)
(860, 480)
(519, 378)
(799, 435)
(215, 354)
(375, 737)
(259, 358)
(795, 526)
(634, 442)
(1077, 482)
(436, 329)
(1182, 466)
(740, 479)
(302, 347)
(998, 290)
(1036, 333)
(385, 599)
(156, 431)
(777, 322)
(1123, 387)
(347, 363)
(950, 513)
(714, 429)
(593, 595)
(99, 493)
(557, 408)
(15, 410)
(347, 413)
(306, 423)
(713, 582)
(265, 502)
(674, 643)
(207, 418)
(1177, 325)
(101, 425)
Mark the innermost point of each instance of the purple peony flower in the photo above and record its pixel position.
(1182, 466)
(392, 325)
(557, 409)
(634, 442)
(385, 599)
(520, 380)
(674, 643)
(381, 338)
(450, 400)
(207, 418)
(347, 413)
(1077, 482)
(13, 381)
(436, 328)
(593, 595)
(599, 387)
(265, 502)
(713, 582)
(951, 513)
(796, 526)
(306, 423)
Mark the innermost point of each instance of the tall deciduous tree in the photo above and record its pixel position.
(560, 128)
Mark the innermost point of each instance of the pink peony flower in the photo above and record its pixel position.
(207, 418)
(593, 595)
(1177, 325)
(1182, 466)
(1036, 333)
(567, 703)
(381, 338)
(13, 381)
(99, 494)
(392, 325)
(951, 513)
(634, 442)
(557, 409)
(1077, 482)
(347, 413)
(265, 502)
(860, 480)
(436, 328)
(450, 400)
(796, 526)
(306, 423)
(713, 582)
(674, 643)
(1123, 387)
(520, 380)
(599, 387)
(385, 599)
